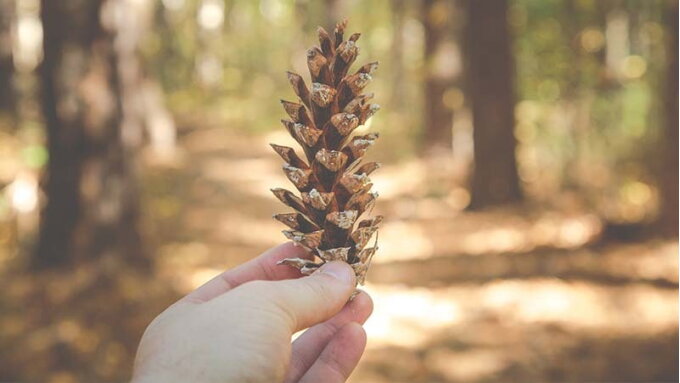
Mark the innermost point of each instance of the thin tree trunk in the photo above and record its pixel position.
(7, 88)
(88, 75)
(490, 73)
(572, 100)
(332, 14)
(438, 118)
(397, 54)
(604, 81)
(668, 219)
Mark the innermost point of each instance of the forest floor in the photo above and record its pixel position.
(515, 294)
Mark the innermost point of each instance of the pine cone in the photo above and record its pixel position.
(334, 185)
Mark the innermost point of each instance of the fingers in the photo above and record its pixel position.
(339, 358)
(263, 267)
(308, 346)
(303, 302)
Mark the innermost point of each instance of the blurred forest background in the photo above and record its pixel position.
(530, 178)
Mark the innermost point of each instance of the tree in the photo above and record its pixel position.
(332, 14)
(90, 101)
(490, 72)
(668, 219)
(397, 54)
(7, 89)
(439, 73)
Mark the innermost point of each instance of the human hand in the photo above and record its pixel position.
(238, 326)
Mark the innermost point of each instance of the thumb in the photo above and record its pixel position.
(307, 301)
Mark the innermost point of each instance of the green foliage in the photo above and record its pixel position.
(587, 77)
(590, 71)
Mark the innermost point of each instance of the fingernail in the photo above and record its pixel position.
(339, 270)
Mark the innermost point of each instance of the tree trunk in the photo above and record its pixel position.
(332, 14)
(438, 117)
(668, 218)
(89, 75)
(7, 89)
(397, 54)
(490, 73)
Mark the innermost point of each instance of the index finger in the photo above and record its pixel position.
(264, 267)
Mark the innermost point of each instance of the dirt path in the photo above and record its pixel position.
(507, 295)
(520, 294)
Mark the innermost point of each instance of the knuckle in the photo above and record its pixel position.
(321, 288)
(252, 289)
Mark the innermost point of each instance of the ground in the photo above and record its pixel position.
(515, 294)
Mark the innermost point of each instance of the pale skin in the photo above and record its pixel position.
(238, 326)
